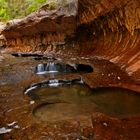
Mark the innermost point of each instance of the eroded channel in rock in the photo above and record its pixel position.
(65, 92)
(65, 100)
(108, 34)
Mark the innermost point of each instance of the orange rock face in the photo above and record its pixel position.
(114, 29)
(45, 20)
(103, 30)
(107, 29)
(123, 129)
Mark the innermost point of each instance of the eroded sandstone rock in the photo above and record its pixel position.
(105, 127)
(127, 13)
(48, 19)
(104, 28)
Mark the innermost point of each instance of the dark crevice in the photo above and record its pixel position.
(26, 54)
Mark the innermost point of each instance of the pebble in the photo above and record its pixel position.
(105, 124)
(32, 102)
(119, 78)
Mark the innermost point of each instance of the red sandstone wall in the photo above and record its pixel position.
(104, 28)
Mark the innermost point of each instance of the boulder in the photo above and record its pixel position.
(50, 18)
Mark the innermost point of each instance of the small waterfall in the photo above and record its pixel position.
(40, 68)
(46, 68)
(51, 67)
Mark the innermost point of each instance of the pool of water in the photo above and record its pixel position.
(78, 101)
(63, 105)
(56, 101)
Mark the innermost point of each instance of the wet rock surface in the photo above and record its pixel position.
(106, 29)
(123, 129)
(57, 68)
(17, 73)
(103, 34)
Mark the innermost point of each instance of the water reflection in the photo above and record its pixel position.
(62, 100)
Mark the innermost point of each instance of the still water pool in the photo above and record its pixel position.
(78, 100)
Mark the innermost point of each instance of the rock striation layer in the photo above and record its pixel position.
(102, 33)
(103, 28)
(114, 29)
(51, 24)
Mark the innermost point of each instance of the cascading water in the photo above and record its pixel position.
(65, 98)
(51, 67)
(54, 67)
(40, 68)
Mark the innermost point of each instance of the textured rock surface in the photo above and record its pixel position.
(115, 31)
(123, 129)
(103, 32)
(105, 28)
(50, 18)
(126, 13)
(2, 38)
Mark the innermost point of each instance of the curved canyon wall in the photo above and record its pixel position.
(103, 28)
(114, 29)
